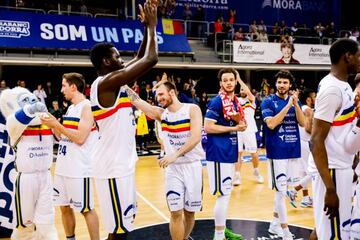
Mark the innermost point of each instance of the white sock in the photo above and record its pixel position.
(220, 210)
(256, 172)
(276, 221)
(237, 174)
(286, 231)
(219, 235)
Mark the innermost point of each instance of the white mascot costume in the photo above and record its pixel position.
(34, 154)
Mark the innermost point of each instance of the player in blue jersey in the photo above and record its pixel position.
(282, 114)
(223, 118)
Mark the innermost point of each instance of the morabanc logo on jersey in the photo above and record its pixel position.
(14, 29)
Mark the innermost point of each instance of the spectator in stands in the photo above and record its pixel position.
(194, 98)
(319, 30)
(203, 102)
(170, 6)
(136, 87)
(187, 15)
(56, 111)
(263, 37)
(218, 25)
(83, 8)
(198, 26)
(275, 29)
(287, 50)
(254, 34)
(331, 32)
(262, 26)
(253, 27)
(87, 90)
(21, 83)
(3, 85)
(283, 28)
(147, 94)
(232, 16)
(291, 38)
(265, 86)
(40, 93)
(227, 29)
(239, 35)
(294, 28)
(50, 94)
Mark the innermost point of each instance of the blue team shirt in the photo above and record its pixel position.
(220, 147)
(283, 142)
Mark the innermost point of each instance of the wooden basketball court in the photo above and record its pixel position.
(248, 201)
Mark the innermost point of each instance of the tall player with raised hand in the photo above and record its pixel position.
(115, 154)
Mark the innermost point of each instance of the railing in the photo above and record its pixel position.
(59, 12)
(106, 15)
(36, 10)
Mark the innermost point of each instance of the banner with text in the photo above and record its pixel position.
(30, 30)
(260, 52)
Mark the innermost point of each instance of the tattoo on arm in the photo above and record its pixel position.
(132, 95)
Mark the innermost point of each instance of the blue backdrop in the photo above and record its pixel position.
(30, 30)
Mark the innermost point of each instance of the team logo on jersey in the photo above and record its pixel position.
(14, 29)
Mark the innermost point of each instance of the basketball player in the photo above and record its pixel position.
(223, 119)
(181, 135)
(115, 154)
(33, 209)
(247, 138)
(335, 139)
(78, 136)
(282, 114)
(307, 99)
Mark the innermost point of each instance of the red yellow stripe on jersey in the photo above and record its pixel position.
(73, 123)
(347, 116)
(98, 113)
(248, 105)
(37, 130)
(177, 126)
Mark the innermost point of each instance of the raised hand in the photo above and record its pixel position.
(141, 15)
(150, 9)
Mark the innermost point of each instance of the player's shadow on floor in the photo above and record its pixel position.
(204, 230)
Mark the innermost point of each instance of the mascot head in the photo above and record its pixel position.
(12, 100)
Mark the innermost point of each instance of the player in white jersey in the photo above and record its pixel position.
(78, 135)
(307, 99)
(247, 138)
(335, 139)
(33, 207)
(181, 135)
(115, 154)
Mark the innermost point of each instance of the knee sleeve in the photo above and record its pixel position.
(281, 207)
(46, 232)
(220, 210)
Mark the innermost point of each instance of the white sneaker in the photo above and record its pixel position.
(306, 202)
(259, 178)
(275, 229)
(288, 236)
(291, 195)
(237, 181)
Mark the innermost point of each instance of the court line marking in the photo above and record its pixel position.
(246, 219)
(153, 207)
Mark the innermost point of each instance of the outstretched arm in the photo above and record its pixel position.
(79, 135)
(149, 110)
(113, 81)
(247, 90)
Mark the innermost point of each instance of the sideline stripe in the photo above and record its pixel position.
(153, 207)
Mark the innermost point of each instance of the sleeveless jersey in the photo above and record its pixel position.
(75, 160)
(341, 124)
(115, 152)
(35, 149)
(249, 111)
(304, 135)
(175, 127)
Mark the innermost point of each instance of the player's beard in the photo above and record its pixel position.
(282, 92)
(167, 103)
(228, 91)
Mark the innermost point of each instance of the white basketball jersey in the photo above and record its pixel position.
(35, 149)
(249, 111)
(175, 128)
(115, 152)
(342, 123)
(304, 135)
(75, 160)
